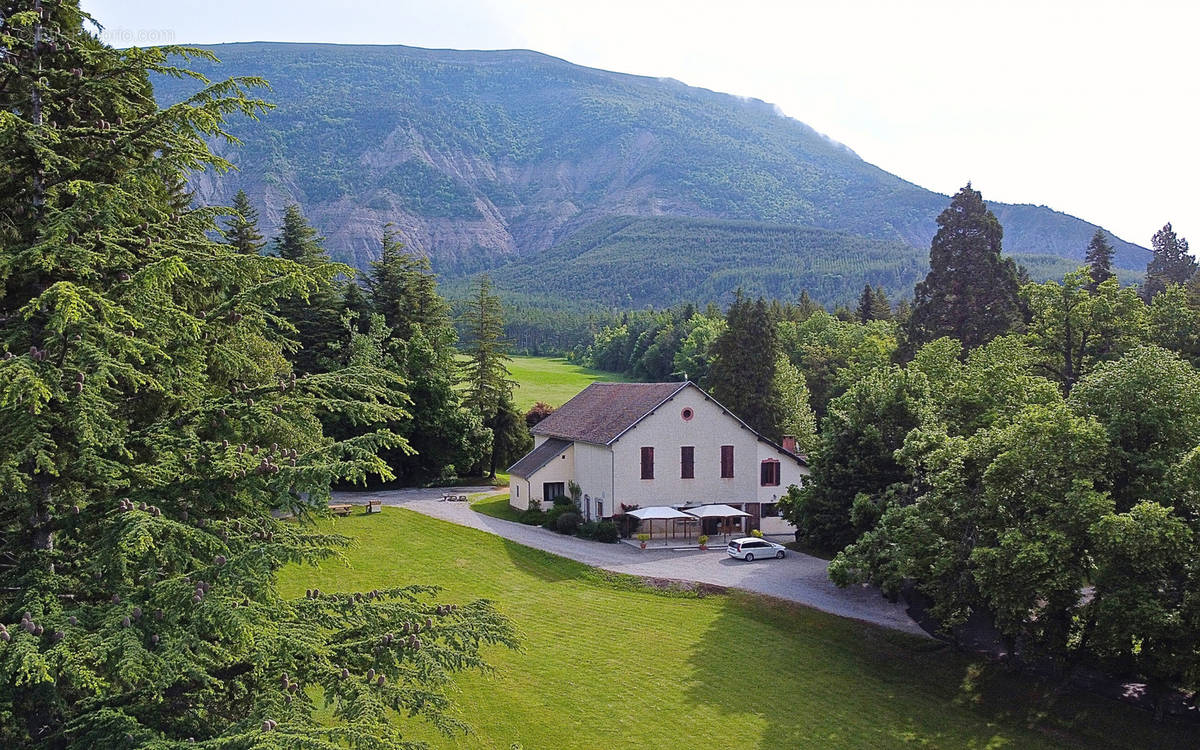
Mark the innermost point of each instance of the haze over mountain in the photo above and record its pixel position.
(483, 159)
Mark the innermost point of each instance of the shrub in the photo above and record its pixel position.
(606, 531)
(563, 500)
(756, 533)
(532, 517)
(703, 539)
(568, 522)
(587, 530)
(550, 517)
(643, 538)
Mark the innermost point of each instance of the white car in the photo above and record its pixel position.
(748, 548)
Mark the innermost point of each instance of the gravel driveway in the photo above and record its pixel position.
(798, 578)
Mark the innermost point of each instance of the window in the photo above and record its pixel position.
(726, 461)
(551, 490)
(647, 463)
(687, 462)
(770, 473)
(770, 510)
(687, 414)
(518, 487)
(599, 509)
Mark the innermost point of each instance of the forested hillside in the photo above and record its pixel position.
(484, 157)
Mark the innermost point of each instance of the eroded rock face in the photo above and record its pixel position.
(480, 157)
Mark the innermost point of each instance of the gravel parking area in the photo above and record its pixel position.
(797, 578)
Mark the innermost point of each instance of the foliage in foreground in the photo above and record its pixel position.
(152, 433)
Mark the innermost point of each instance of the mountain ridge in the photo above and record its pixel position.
(481, 157)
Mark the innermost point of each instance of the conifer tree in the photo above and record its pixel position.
(1170, 264)
(881, 307)
(241, 230)
(151, 430)
(357, 305)
(873, 305)
(403, 288)
(510, 435)
(1099, 259)
(971, 292)
(298, 240)
(445, 437)
(488, 385)
(866, 304)
(805, 306)
(742, 373)
(314, 315)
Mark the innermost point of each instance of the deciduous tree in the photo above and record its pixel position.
(853, 462)
(1076, 324)
(1149, 403)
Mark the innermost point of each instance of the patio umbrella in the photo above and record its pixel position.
(657, 513)
(717, 510)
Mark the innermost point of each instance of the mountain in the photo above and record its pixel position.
(486, 159)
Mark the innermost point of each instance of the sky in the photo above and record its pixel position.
(1089, 107)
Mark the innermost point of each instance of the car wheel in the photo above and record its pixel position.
(779, 555)
(749, 557)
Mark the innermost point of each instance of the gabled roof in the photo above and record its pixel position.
(602, 411)
(539, 457)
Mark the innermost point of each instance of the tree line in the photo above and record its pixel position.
(1019, 454)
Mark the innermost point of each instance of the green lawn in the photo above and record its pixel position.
(495, 506)
(554, 381)
(607, 664)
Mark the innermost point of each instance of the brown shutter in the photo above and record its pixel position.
(770, 473)
(647, 463)
(726, 461)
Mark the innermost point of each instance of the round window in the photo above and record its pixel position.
(687, 413)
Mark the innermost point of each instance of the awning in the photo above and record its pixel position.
(714, 511)
(657, 513)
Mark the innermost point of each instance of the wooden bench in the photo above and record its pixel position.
(374, 506)
(341, 509)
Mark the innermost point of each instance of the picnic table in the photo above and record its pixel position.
(341, 509)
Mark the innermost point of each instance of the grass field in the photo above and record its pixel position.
(554, 381)
(495, 506)
(608, 664)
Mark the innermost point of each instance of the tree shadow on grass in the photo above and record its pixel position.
(839, 683)
(544, 565)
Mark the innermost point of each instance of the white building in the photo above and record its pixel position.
(648, 444)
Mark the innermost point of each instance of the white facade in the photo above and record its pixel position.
(611, 475)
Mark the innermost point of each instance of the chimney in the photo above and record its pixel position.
(789, 444)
